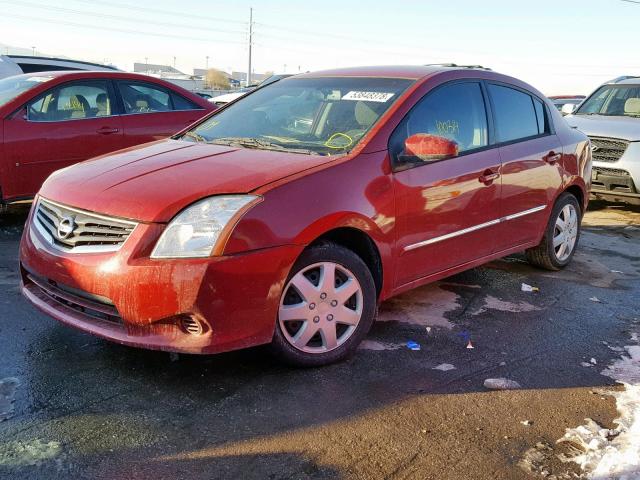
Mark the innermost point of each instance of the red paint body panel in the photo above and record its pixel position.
(31, 150)
(304, 197)
(149, 293)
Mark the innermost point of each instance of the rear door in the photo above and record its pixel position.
(446, 209)
(152, 112)
(531, 154)
(65, 125)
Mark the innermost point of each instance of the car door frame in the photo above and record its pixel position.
(491, 146)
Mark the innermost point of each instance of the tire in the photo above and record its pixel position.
(316, 324)
(551, 257)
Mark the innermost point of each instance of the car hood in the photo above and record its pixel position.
(151, 183)
(626, 128)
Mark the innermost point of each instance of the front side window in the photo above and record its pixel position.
(613, 100)
(456, 112)
(325, 116)
(75, 101)
(144, 98)
(515, 114)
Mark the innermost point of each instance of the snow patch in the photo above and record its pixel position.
(34, 452)
(445, 367)
(613, 453)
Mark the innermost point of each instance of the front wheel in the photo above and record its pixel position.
(561, 236)
(327, 307)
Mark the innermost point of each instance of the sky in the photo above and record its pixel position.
(560, 47)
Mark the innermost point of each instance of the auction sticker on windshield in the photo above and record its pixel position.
(368, 96)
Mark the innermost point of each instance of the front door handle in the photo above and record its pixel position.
(488, 177)
(552, 157)
(107, 130)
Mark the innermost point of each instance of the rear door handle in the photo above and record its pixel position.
(107, 130)
(552, 157)
(488, 177)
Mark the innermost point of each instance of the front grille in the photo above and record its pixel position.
(608, 149)
(93, 306)
(78, 231)
(612, 172)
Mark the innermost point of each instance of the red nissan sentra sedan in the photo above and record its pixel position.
(286, 217)
(51, 120)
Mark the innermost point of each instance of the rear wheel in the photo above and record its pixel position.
(561, 236)
(327, 307)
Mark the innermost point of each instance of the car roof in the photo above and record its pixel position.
(89, 73)
(411, 72)
(628, 81)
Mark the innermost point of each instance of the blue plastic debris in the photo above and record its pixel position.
(411, 345)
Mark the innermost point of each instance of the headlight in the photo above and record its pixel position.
(195, 231)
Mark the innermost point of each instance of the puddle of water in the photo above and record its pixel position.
(379, 346)
(8, 388)
(493, 303)
(425, 306)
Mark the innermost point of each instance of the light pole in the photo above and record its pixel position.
(207, 63)
(250, 45)
(33, 51)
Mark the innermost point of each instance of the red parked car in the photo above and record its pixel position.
(50, 120)
(285, 218)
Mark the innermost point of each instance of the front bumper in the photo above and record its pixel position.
(618, 180)
(134, 300)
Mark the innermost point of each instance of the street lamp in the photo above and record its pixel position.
(207, 64)
(33, 51)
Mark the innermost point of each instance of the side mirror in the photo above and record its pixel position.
(429, 147)
(568, 108)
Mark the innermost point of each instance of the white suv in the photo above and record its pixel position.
(610, 116)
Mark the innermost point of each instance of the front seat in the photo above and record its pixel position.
(104, 107)
(632, 106)
(80, 107)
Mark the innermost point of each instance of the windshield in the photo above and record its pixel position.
(617, 100)
(11, 87)
(322, 116)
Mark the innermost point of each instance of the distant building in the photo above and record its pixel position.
(242, 77)
(158, 70)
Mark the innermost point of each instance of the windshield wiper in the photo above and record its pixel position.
(195, 136)
(249, 142)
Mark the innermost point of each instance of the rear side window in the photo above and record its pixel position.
(516, 114)
(181, 103)
(456, 111)
(144, 98)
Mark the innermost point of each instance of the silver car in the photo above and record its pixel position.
(610, 116)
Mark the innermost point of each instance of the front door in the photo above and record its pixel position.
(447, 210)
(63, 126)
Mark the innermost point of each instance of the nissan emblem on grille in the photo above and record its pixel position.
(66, 227)
(75, 230)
